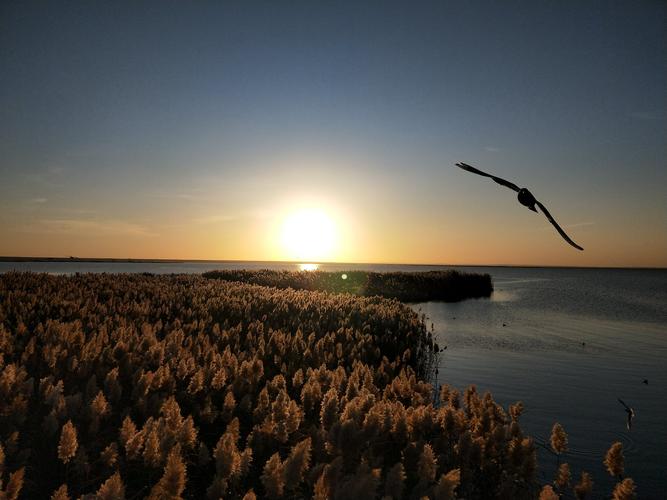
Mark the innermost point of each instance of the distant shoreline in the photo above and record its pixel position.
(274, 262)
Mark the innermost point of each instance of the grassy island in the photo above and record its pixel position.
(449, 286)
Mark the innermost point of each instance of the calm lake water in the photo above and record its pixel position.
(539, 357)
(566, 342)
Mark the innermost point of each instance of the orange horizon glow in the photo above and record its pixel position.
(473, 250)
(360, 218)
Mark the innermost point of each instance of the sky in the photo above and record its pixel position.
(204, 130)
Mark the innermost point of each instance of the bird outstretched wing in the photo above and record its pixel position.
(626, 406)
(559, 229)
(500, 181)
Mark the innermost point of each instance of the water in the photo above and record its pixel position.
(67, 267)
(573, 341)
(539, 357)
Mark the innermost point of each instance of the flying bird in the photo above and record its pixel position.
(629, 411)
(525, 197)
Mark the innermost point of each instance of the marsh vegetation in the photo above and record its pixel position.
(133, 386)
(450, 285)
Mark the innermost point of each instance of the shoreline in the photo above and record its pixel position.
(112, 260)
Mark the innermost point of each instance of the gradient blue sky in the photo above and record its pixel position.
(176, 129)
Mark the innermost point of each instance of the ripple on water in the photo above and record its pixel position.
(629, 447)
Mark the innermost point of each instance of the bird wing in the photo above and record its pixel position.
(558, 228)
(500, 181)
(621, 401)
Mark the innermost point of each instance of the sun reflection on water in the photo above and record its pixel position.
(308, 267)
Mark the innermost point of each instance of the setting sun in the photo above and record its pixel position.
(309, 234)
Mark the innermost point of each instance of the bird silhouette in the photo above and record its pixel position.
(629, 411)
(525, 197)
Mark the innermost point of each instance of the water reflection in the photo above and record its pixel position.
(503, 296)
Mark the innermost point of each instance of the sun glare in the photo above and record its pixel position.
(308, 267)
(309, 235)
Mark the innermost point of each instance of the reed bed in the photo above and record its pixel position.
(449, 286)
(168, 387)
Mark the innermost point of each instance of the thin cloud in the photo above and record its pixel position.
(170, 196)
(214, 219)
(77, 211)
(51, 177)
(260, 214)
(38, 201)
(192, 195)
(36, 178)
(88, 227)
(644, 115)
(580, 224)
(252, 214)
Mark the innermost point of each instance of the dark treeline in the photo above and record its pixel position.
(134, 386)
(450, 286)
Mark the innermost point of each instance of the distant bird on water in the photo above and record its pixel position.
(629, 411)
(525, 197)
